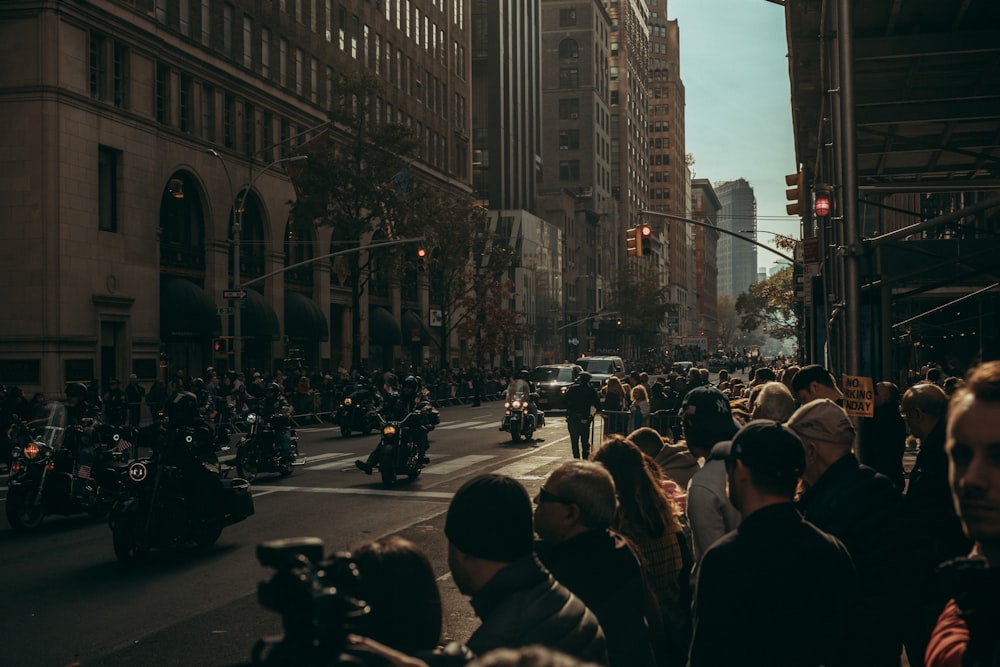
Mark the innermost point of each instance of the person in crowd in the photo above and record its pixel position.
(675, 460)
(708, 426)
(814, 381)
(582, 402)
(115, 404)
(574, 511)
(788, 377)
(774, 401)
(639, 407)
(135, 394)
(38, 409)
(489, 527)
(156, 397)
(863, 509)
(399, 585)
(934, 531)
(884, 435)
(177, 383)
(776, 591)
(614, 406)
(966, 633)
(650, 519)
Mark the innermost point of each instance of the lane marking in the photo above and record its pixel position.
(431, 495)
(463, 424)
(522, 468)
(454, 465)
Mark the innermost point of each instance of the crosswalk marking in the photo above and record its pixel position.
(337, 463)
(403, 491)
(329, 455)
(522, 468)
(454, 425)
(453, 465)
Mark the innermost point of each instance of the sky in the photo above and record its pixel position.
(738, 118)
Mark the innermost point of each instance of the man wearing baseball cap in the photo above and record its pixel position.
(490, 534)
(777, 590)
(864, 510)
(708, 425)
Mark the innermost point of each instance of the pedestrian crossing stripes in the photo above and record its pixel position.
(525, 467)
(447, 467)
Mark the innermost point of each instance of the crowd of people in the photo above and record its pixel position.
(773, 531)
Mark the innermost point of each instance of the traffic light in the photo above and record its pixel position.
(633, 242)
(645, 236)
(794, 193)
(421, 259)
(218, 345)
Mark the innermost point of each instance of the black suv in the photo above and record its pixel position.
(551, 382)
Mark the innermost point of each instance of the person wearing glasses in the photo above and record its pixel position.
(489, 526)
(574, 512)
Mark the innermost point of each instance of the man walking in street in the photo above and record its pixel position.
(491, 556)
(777, 591)
(582, 402)
(134, 393)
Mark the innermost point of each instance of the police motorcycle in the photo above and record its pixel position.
(178, 495)
(61, 469)
(358, 410)
(518, 417)
(259, 450)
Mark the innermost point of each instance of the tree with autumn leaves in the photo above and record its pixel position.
(770, 305)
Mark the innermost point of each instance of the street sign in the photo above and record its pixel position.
(234, 294)
(225, 310)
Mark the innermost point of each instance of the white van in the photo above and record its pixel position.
(601, 368)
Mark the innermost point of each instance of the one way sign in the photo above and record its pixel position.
(234, 294)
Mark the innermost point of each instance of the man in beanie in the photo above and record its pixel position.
(777, 590)
(708, 424)
(490, 534)
(864, 510)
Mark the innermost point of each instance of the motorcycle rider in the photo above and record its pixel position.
(522, 385)
(196, 458)
(396, 407)
(78, 437)
(276, 408)
(115, 404)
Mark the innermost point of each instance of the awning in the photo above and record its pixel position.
(303, 318)
(258, 319)
(383, 329)
(415, 332)
(187, 311)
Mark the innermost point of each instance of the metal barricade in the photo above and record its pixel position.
(615, 422)
(666, 423)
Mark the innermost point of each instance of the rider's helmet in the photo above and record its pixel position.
(410, 383)
(524, 375)
(77, 389)
(197, 383)
(182, 410)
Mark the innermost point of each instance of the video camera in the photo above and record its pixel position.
(318, 599)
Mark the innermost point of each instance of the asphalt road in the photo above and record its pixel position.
(66, 599)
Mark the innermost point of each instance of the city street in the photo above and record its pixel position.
(66, 599)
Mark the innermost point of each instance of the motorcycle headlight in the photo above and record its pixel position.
(389, 429)
(516, 405)
(347, 402)
(31, 451)
(16, 452)
(251, 418)
(506, 404)
(138, 472)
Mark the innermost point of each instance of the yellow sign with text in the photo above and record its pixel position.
(859, 395)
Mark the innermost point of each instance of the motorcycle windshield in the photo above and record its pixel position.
(55, 426)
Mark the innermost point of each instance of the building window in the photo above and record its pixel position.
(342, 28)
(208, 113)
(328, 20)
(121, 75)
(227, 30)
(569, 49)
(162, 91)
(299, 65)
(265, 52)
(107, 188)
(267, 136)
(569, 77)
(98, 66)
(314, 81)
(283, 61)
(160, 10)
(206, 22)
(247, 44)
(184, 20)
(186, 112)
(569, 170)
(569, 109)
(249, 130)
(229, 121)
(567, 17)
(569, 140)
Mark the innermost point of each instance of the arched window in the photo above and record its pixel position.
(568, 48)
(253, 245)
(182, 223)
(298, 248)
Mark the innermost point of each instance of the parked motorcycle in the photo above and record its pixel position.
(399, 453)
(518, 419)
(46, 477)
(259, 450)
(177, 496)
(358, 411)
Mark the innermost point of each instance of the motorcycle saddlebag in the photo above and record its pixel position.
(237, 498)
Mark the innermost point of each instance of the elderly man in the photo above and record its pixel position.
(574, 511)
(773, 401)
(862, 509)
(966, 633)
(491, 556)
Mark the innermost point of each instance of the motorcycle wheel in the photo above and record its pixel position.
(345, 431)
(207, 535)
(515, 431)
(128, 548)
(247, 468)
(285, 468)
(387, 467)
(23, 515)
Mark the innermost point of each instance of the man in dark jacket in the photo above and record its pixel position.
(490, 553)
(776, 591)
(582, 401)
(574, 511)
(862, 509)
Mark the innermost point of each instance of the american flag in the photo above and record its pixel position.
(122, 445)
(83, 472)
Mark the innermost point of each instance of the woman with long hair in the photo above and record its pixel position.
(639, 408)
(650, 519)
(614, 406)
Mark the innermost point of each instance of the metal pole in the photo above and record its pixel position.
(748, 239)
(849, 200)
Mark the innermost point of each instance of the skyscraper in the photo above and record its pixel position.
(737, 259)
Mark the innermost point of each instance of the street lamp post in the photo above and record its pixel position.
(237, 228)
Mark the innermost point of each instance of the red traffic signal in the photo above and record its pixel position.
(421, 259)
(645, 236)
